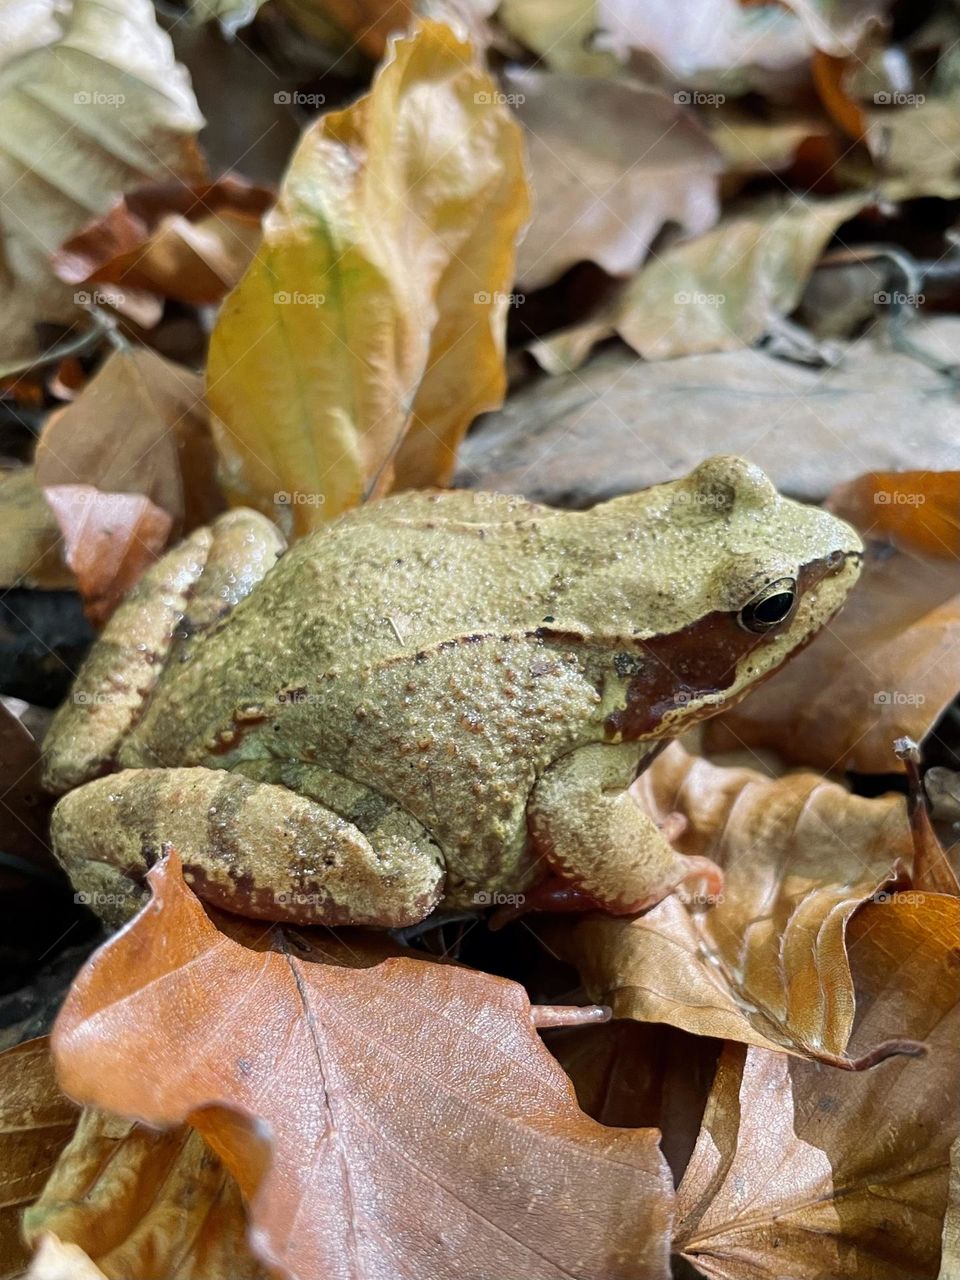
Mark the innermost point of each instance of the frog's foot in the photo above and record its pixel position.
(175, 602)
(253, 848)
(586, 824)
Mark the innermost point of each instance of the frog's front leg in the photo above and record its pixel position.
(175, 603)
(587, 825)
(254, 848)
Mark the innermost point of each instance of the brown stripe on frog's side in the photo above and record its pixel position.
(670, 671)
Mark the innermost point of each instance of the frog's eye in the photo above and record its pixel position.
(771, 607)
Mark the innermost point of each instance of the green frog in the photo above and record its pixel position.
(437, 700)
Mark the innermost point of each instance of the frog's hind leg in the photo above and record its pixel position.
(253, 848)
(586, 824)
(163, 618)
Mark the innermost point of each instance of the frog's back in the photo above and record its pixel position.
(377, 587)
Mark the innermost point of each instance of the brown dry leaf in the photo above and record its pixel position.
(636, 1073)
(94, 112)
(36, 1122)
(371, 1083)
(30, 539)
(369, 330)
(805, 1172)
(723, 290)
(55, 1260)
(767, 964)
(602, 194)
(710, 43)
(887, 666)
(621, 423)
(917, 146)
(110, 540)
(138, 427)
(561, 34)
(761, 144)
(157, 1206)
(192, 243)
(950, 1253)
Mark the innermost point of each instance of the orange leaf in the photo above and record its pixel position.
(110, 539)
(187, 242)
(805, 1172)
(344, 1100)
(138, 427)
(767, 964)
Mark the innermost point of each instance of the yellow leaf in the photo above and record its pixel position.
(369, 330)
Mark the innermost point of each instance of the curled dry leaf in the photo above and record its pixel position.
(371, 1083)
(887, 666)
(805, 1172)
(36, 1122)
(602, 195)
(106, 104)
(192, 243)
(369, 330)
(138, 427)
(109, 540)
(55, 1260)
(768, 963)
(718, 292)
(157, 1206)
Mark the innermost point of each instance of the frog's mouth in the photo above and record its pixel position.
(712, 664)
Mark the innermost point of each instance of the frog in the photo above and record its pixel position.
(435, 702)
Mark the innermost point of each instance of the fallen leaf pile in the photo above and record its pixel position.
(303, 254)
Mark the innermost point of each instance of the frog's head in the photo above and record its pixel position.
(744, 578)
